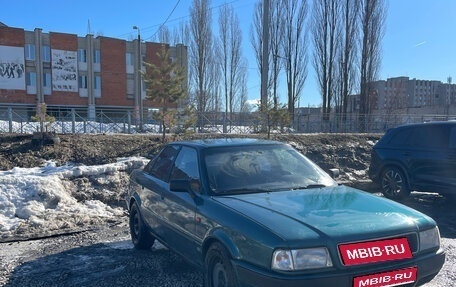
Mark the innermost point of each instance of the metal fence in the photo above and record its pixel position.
(20, 120)
(354, 123)
(72, 121)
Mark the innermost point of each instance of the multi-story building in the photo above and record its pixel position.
(405, 95)
(403, 92)
(66, 72)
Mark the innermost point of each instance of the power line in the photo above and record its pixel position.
(173, 20)
(163, 24)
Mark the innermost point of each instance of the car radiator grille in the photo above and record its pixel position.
(413, 241)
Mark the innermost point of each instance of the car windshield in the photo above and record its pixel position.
(261, 168)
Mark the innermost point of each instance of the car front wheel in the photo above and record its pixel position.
(394, 184)
(218, 269)
(139, 236)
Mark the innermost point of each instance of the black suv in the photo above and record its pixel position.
(417, 157)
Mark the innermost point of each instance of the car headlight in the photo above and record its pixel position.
(300, 259)
(429, 239)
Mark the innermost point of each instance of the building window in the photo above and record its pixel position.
(46, 80)
(30, 52)
(82, 55)
(83, 82)
(30, 78)
(97, 83)
(97, 56)
(47, 85)
(130, 87)
(46, 53)
(129, 59)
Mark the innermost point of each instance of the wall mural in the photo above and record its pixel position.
(64, 71)
(12, 68)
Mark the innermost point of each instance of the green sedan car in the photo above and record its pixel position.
(252, 212)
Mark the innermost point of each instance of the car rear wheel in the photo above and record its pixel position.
(394, 183)
(218, 269)
(139, 236)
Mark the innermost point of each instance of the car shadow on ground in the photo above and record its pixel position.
(440, 208)
(105, 265)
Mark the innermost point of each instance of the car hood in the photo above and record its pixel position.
(331, 212)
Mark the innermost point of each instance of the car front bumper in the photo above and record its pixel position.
(428, 266)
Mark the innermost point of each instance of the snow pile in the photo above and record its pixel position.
(40, 200)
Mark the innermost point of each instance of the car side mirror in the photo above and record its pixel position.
(334, 173)
(191, 186)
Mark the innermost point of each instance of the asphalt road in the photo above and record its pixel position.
(105, 257)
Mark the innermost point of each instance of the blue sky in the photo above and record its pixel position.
(420, 38)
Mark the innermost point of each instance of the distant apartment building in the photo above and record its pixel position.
(84, 74)
(401, 94)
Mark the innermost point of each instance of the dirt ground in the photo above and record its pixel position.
(348, 152)
(103, 255)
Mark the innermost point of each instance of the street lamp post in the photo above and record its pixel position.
(139, 101)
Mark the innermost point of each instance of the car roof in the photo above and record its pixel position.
(438, 123)
(226, 142)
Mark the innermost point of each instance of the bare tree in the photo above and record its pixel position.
(348, 56)
(214, 88)
(226, 15)
(164, 35)
(256, 35)
(294, 49)
(230, 41)
(201, 54)
(181, 34)
(271, 107)
(325, 32)
(276, 34)
(241, 104)
(373, 16)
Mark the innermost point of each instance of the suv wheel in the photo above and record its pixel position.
(394, 183)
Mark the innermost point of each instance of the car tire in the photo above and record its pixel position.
(218, 269)
(394, 183)
(140, 237)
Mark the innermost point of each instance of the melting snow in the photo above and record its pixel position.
(38, 200)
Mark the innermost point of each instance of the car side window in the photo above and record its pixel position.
(163, 164)
(401, 138)
(186, 165)
(148, 167)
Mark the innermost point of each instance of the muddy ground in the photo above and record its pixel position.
(349, 152)
(102, 255)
